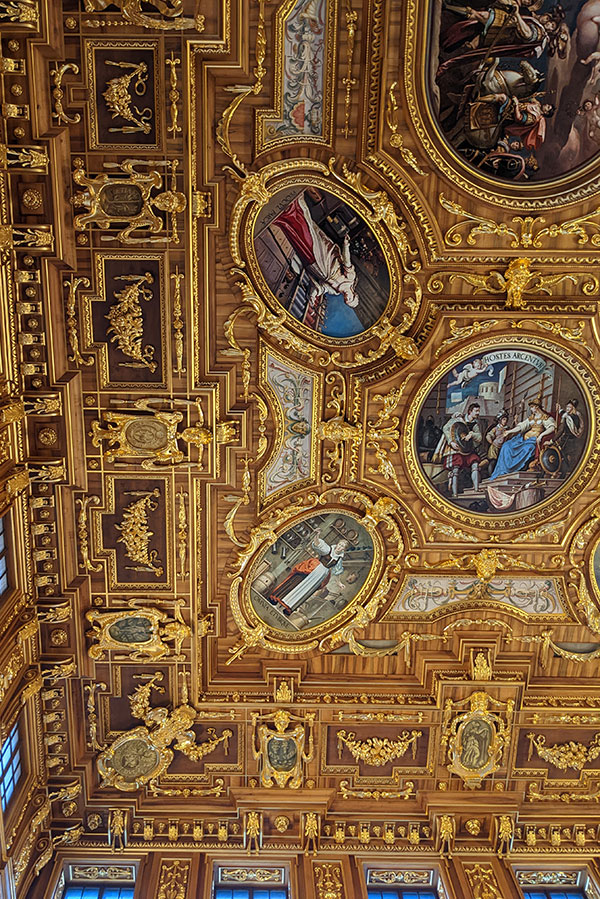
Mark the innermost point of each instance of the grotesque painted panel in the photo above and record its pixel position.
(303, 73)
(294, 391)
(514, 87)
(502, 431)
(426, 594)
(311, 572)
(322, 262)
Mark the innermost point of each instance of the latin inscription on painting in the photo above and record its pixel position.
(312, 572)
(502, 431)
(514, 84)
(322, 262)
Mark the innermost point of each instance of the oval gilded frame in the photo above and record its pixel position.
(303, 176)
(590, 388)
(591, 575)
(534, 197)
(300, 641)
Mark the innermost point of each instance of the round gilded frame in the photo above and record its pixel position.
(591, 574)
(534, 197)
(303, 177)
(590, 388)
(247, 617)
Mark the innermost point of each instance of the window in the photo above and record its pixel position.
(538, 893)
(402, 893)
(10, 766)
(98, 891)
(250, 893)
(3, 560)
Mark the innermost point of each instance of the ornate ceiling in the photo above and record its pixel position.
(299, 447)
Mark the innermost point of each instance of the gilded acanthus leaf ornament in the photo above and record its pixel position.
(127, 321)
(377, 751)
(139, 756)
(136, 534)
(565, 755)
(517, 280)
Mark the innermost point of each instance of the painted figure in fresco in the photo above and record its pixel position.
(476, 739)
(457, 449)
(530, 435)
(570, 432)
(311, 574)
(469, 371)
(516, 84)
(330, 268)
(495, 438)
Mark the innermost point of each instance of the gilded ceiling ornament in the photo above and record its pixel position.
(446, 835)
(58, 94)
(177, 277)
(565, 755)
(377, 751)
(117, 829)
(526, 232)
(396, 139)
(83, 533)
(337, 430)
(484, 883)
(402, 792)
(110, 200)
(435, 285)
(534, 795)
(549, 646)
(173, 879)
(481, 668)
(253, 831)
(90, 705)
(136, 534)
(447, 530)
(328, 881)
(385, 429)
(348, 81)
(127, 321)
(559, 329)
(25, 12)
(139, 756)
(142, 632)
(120, 102)
(281, 752)
(155, 437)
(517, 280)
(477, 740)
(170, 12)
(486, 563)
(505, 834)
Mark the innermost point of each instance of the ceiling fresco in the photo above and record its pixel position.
(299, 447)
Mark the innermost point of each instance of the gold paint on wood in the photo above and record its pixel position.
(377, 751)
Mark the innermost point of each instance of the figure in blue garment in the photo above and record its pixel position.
(529, 437)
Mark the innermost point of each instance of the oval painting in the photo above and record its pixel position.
(502, 431)
(135, 629)
(312, 572)
(322, 262)
(514, 84)
(475, 742)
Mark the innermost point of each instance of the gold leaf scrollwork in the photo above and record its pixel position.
(456, 333)
(526, 232)
(127, 322)
(170, 17)
(83, 533)
(119, 100)
(396, 139)
(378, 751)
(71, 320)
(403, 792)
(58, 94)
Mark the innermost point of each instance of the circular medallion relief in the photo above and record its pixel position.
(146, 434)
(135, 629)
(501, 431)
(312, 572)
(321, 261)
(134, 759)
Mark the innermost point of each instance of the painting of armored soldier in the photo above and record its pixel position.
(311, 572)
(322, 262)
(515, 84)
(512, 429)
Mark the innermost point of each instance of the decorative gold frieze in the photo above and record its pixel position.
(251, 875)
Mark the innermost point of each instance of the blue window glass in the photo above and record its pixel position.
(553, 894)
(250, 893)
(3, 560)
(399, 893)
(10, 766)
(98, 892)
